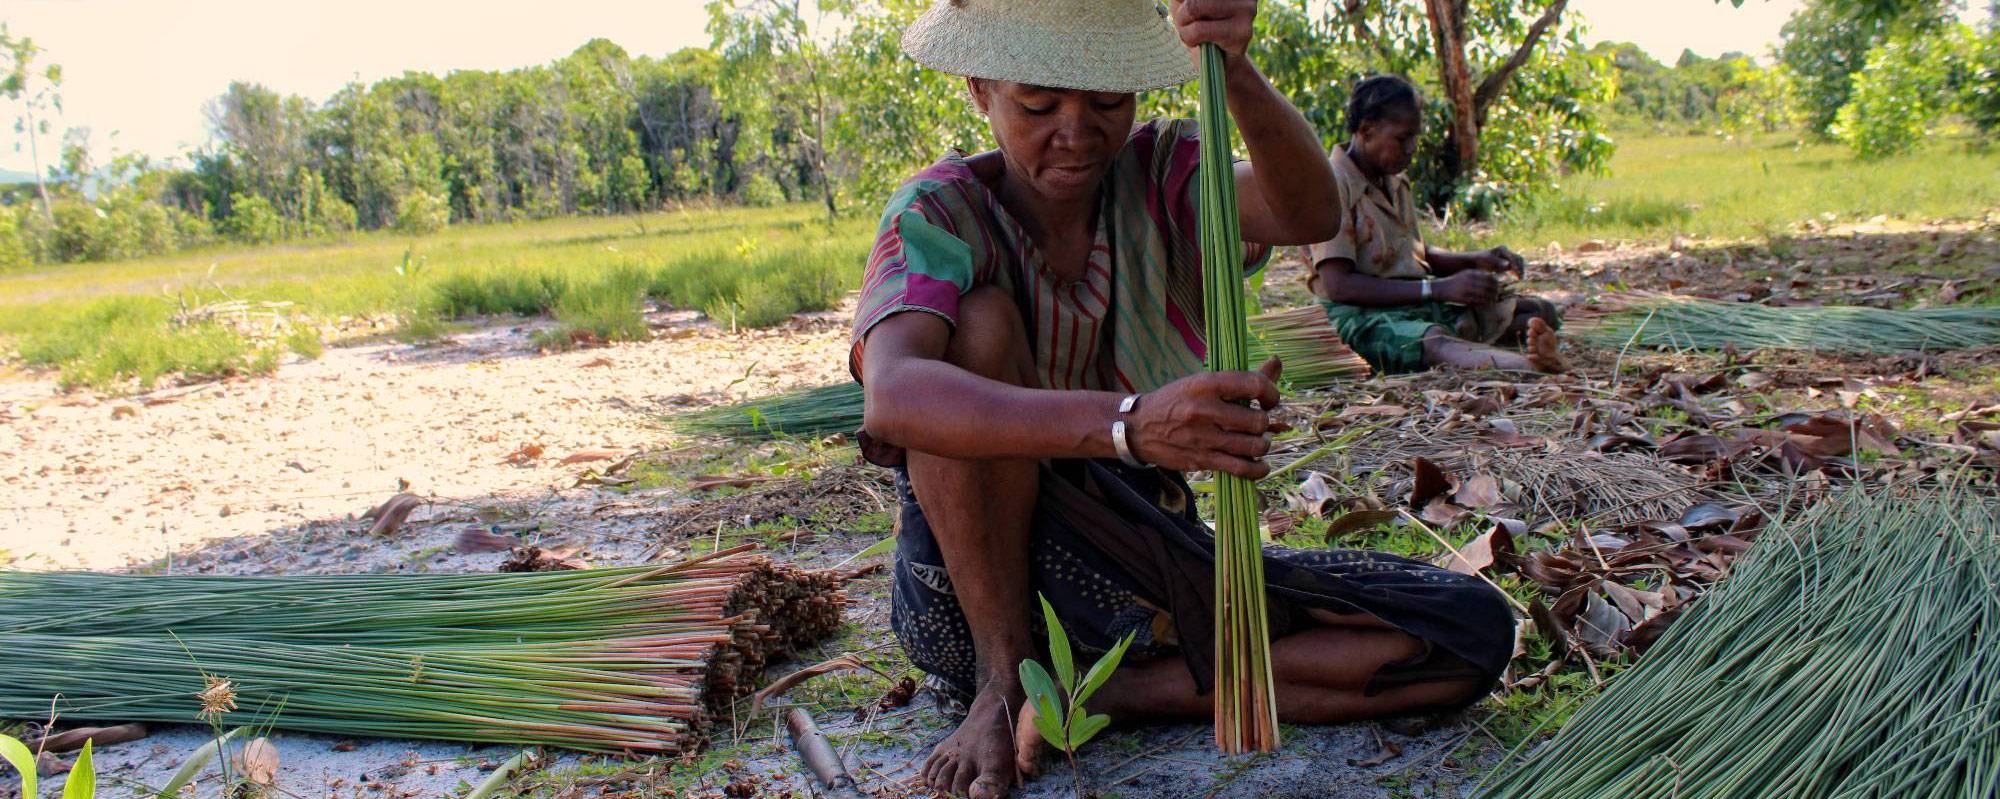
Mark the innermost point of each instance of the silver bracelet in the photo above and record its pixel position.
(1119, 441)
(1427, 290)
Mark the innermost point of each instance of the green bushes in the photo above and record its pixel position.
(1910, 84)
(420, 212)
(748, 286)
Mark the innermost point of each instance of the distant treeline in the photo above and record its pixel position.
(597, 131)
(818, 103)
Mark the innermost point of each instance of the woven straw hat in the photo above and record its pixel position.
(1094, 45)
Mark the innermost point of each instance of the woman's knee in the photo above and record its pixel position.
(990, 339)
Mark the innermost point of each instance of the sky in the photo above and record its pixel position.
(139, 72)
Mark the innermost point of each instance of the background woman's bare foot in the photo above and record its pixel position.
(978, 759)
(1542, 348)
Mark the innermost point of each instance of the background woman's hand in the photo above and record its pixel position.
(1199, 422)
(1469, 287)
(1225, 23)
(1501, 260)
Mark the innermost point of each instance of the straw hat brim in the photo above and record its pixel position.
(1094, 45)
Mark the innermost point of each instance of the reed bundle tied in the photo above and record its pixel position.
(1852, 653)
(629, 659)
(1665, 321)
(1246, 710)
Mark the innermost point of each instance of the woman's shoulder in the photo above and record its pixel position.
(945, 189)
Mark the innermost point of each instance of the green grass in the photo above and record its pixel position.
(1704, 187)
(110, 325)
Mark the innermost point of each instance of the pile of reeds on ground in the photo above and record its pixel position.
(1665, 321)
(1852, 653)
(1313, 354)
(628, 659)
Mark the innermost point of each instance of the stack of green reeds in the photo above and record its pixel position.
(1853, 653)
(1314, 356)
(1246, 708)
(1665, 321)
(603, 660)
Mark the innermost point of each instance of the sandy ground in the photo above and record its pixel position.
(88, 482)
(269, 474)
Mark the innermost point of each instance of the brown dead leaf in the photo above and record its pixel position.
(596, 363)
(1503, 434)
(1440, 513)
(1479, 492)
(258, 762)
(523, 455)
(390, 515)
(1481, 552)
(1278, 524)
(537, 559)
(1635, 604)
(122, 411)
(100, 737)
(1356, 521)
(1314, 495)
(473, 542)
(1431, 482)
(1600, 626)
(1390, 750)
(779, 686)
(592, 456)
(1352, 413)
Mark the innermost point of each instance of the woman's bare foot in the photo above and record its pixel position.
(1542, 348)
(979, 759)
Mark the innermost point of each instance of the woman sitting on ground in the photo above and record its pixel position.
(1401, 304)
(1029, 339)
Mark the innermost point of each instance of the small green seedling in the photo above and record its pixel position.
(1070, 730)
(82, 783)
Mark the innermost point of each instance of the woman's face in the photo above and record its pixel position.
(1386, 146)
(1059, 141)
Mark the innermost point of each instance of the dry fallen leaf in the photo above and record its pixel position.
(597, 362)
(523, 455)
(1481, 491)
(1356, 521)
(472, 542)
(536, 559)
(1440, 513)
(1480, 554)
(1431, 482)
(782, 684)
(390, 515)
(100, 737)
(592, 455)
(1314, 495)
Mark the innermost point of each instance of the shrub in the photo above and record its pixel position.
(1905, 91)
(761, 191)
(421, 212)
(253, 220)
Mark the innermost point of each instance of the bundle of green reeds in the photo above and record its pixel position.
(630, 659)
(1852, 654)
(1665, 321)
(1314, 356)
(1246, 708)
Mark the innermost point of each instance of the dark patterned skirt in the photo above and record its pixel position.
(1118, 550)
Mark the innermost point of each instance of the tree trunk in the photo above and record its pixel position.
(1461, 156)
(35, 157)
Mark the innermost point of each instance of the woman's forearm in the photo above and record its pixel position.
(937, 408)
(1445, 263)
(1368, 291)
(1293, 179)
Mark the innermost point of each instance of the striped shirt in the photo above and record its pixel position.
(1133, 320)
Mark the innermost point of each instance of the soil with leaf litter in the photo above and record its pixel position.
(1602, 503)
